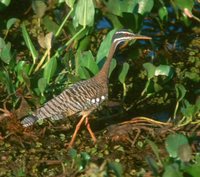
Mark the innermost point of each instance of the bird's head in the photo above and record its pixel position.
(123, 36)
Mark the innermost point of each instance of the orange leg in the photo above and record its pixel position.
(90, 131)
(76, 131)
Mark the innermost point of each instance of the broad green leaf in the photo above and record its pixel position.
(70, 3)
(162, 70)
(115, 7)
(39, 7)
(22, 68)
(84, 12)
(173, 144)
(87, 60)
(145, 6)
(182, 4)
(50, 25)
(172, 170)
(50, 69)
(150, 68)
(105, 46)
(180, 91)
(83, 73)
(163, 13)
(10, 22)
(42, 83)
(5, 53)
(123, 73)
(29, 43)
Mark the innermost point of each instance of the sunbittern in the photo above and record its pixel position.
(85, 96)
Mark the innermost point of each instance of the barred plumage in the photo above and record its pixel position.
(83, 97)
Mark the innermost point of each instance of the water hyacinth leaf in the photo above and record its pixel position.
(42, 83)
(112, 66)
(84, 13)
(162, 70)
(11, 22)
(163, 13)
(173, 144)
(39, 7)
(180, 91)
(29, 43)
(70, 3)
(4, 4)
(182, 4)
(145, 6)
(150, 68)
(5, 53)
(105, 46)
(87, 60)
(50, 69)
(123, 73)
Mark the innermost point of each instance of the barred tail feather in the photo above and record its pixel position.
(29, 120)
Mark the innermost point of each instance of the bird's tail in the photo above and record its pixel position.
(29, 120)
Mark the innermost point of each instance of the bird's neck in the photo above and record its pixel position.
(103, 73)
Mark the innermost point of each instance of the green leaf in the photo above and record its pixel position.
(173, 144)
(172, 170)
(50, 69)
(182, 4)
(162, 70)
(114, 7)
(83, 73)
(105, 46)
(22, 69)
(145, 6)
(42, 83)
(84, 12)
(163, 13)
(10, 22)
(50, 25)
(150, 68)
(39, 7)
(122, 75)
(87, 60)
(5, 53)
(180, 91)
(29, 43)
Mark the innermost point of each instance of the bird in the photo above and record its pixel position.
(83, 97)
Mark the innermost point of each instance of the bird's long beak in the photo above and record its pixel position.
(137, 36)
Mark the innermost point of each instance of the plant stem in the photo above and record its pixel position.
(64, 21)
